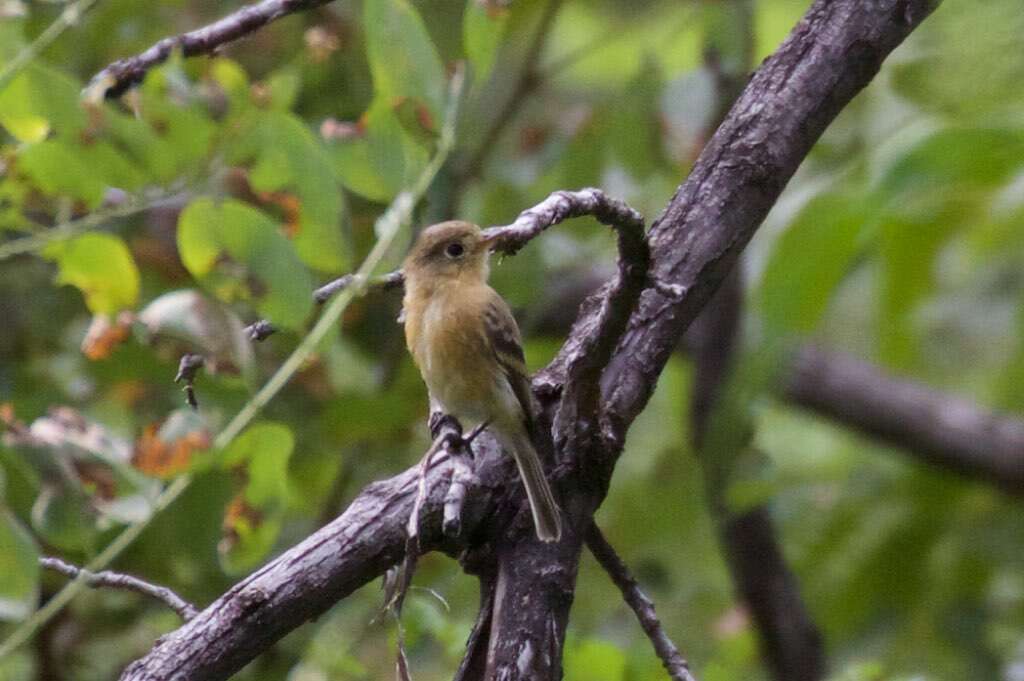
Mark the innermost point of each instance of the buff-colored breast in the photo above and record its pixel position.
(446, 335)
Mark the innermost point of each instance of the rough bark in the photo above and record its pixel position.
(829, 57)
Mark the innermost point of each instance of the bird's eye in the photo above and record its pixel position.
(454, 250)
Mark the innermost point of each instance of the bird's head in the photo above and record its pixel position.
(448, 250)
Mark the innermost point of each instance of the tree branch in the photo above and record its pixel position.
(124, 73)
(116, 580)
(675, 665)
(935, 427)
(831, 54)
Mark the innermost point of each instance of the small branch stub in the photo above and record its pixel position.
(188, 367)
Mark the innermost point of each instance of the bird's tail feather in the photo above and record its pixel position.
(546, 515)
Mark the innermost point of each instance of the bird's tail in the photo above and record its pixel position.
(546, 514)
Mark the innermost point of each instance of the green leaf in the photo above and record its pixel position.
(39, 101)
(58, 168)
(19, 565)
(172, 111)
(253, 521)
(233, 79)
(63, 517)
(112, 166)
(263, 450)
(809, 260)
(908, 247)
(967, 158)
(291, 158)
(483, 27)
(249, 237)
(283, 87)
(381, 159)
(594, 660)
(142, 144)
(403, 59)
(101, 267)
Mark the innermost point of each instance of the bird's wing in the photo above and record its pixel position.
(506, 342)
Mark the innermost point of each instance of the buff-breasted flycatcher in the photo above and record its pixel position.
(468, 348)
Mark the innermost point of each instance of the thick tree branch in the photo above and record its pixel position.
(637, 600)
(124, 73)
(938, 428)
(116, 580)
(832, 53)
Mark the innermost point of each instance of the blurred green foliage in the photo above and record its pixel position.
(223, 189)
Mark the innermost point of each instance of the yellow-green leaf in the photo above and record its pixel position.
(101, 267)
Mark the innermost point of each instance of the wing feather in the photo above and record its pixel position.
(506, 341)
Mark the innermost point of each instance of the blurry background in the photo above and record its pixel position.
(226, 189)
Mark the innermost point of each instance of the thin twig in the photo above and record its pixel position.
(386, 281)
(68, 18)
(671, 659)
(124, 73)
(508, 239)
(188, 367)
(117, 580)
(73, 228)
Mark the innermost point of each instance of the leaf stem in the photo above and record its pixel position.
(68, 18)
(72, 228)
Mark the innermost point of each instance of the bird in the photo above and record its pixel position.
(468, 348)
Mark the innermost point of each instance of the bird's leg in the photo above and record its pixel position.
(440, 421)
(467, 441)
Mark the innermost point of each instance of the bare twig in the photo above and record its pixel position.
(260, 330)
(385, 282)
(563, 205)
(117, 580)
(638, 601)
(188, 367)
(124, 73)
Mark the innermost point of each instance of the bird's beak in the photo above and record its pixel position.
(490, 240)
